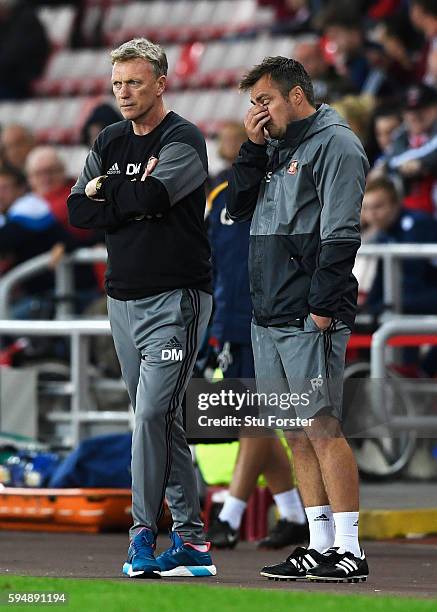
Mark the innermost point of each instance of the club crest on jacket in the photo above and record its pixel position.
(293, 166)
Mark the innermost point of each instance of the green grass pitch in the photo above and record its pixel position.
(108, 596)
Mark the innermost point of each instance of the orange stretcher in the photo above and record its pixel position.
(74, 510)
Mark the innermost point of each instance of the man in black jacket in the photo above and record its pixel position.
(300, 177)
(24, 48)
(143, 183)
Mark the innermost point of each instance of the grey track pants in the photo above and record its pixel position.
(157, 340)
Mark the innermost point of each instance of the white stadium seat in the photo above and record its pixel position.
(58, 22)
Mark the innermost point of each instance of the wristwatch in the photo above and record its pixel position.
(100, 182)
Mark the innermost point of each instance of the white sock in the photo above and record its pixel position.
(321, 525)
(232, 511)
(346, 532)
(290, 506)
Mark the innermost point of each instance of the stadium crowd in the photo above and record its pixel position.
(376, 62)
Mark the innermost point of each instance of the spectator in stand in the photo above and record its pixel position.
(24, 49)
(381, 9)
(45, 171)
(387, 121)
(423, 14)
(29, 229)
(328, 84)
(47, 178)
(230, 138)
(12, 186)
(413, 156)
(356, 58)
(357, 110)
(16, 142)
(100, 117)
(230, 340)
(10, 189)
(291, 15)
(392, 223)
(401, 45)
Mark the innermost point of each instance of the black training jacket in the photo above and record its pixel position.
(154, 229)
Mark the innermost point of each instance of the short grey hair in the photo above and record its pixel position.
(143, 49)
(44, 152)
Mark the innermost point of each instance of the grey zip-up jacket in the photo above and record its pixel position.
(304, 195)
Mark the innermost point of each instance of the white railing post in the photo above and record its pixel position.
(405, 325)
(64, 285)
(79, 332)
(80, 381)
(64, 289)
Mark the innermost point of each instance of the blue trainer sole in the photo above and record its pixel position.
(128, 571)
(190, 571)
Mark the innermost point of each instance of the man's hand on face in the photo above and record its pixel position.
(321, 322)
(91, 191)
(256, 119)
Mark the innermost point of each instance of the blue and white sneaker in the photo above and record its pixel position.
(185, 559)
(141, 562)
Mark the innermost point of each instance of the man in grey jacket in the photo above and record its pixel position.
(300, 176)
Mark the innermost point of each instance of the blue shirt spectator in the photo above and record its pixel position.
(395, 225)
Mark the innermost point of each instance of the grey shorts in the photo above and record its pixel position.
(299, 371)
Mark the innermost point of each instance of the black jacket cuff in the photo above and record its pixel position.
(255, 147)
(321, 312)
(132, 198)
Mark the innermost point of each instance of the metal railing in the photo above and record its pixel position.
(79, 332)
(64, 282)
(405, 326)
(392, 256)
